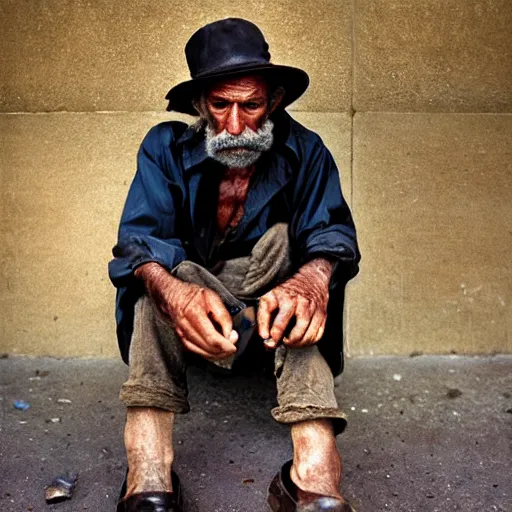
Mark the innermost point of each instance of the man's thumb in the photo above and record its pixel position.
(233, 336)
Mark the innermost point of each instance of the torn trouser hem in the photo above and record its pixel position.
(134, 395)
(296, 413)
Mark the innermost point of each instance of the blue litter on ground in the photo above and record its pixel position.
(21, 405)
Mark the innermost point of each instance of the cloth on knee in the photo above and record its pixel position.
(305, 387)
(269, 262)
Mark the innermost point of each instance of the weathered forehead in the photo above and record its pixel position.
(245, 85)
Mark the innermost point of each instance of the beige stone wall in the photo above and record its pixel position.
(414, 98)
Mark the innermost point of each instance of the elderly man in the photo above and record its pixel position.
(235, 236)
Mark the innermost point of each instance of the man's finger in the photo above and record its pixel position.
(280, 323)
(316, 322)
(270, 344)
(190, 333)
(201, 327)
(204, 335)
(303, 314)
(192, 347)
(219, 312)
(215, 341)
(267, 305)
(320, 333)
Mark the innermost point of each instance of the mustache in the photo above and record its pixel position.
(251, 140)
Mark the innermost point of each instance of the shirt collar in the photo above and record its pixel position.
(194, 147)
(194, 142)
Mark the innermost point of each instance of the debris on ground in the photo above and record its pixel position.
(453, 393)
(105, 451)
(21, 405)
(397, 377)
(323, 503)
(64, 401)
(61, 488)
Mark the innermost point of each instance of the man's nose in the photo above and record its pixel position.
(235, 124)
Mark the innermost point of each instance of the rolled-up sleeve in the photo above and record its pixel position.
(322, 224)
(148, 230)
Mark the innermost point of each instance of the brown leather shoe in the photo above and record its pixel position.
(282, 496)
(153, 501)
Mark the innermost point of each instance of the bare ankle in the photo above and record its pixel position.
(149, 450)
(316, 468)
(148, 475)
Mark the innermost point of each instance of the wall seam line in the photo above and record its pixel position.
(352, 112)
(346, 321)
(389, 112)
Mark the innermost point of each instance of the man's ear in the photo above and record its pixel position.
(275, 99)
(199, 103)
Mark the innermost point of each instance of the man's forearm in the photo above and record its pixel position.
(153, 275)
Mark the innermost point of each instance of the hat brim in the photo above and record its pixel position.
(294, 80)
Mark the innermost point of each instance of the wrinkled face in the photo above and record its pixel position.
(238, 129)
(238, 103)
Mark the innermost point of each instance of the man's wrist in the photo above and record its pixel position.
(155, 277)
(159, 282)
(322, 268)
(148, 271)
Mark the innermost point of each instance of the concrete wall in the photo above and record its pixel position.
(413, 97)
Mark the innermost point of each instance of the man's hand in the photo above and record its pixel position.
(194, 312)
(303, 296)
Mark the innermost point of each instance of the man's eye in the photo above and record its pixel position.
(220, 104)
(251, 105)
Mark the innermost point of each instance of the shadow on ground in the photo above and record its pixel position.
(425, 434)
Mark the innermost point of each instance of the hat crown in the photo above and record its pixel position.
(226, 44)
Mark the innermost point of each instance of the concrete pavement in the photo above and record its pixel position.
(425, 434)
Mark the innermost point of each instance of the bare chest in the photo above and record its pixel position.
(233, 190)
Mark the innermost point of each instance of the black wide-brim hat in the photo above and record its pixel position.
(226, 49)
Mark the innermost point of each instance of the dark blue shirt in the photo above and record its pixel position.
(171, 209)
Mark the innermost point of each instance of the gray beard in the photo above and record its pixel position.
(239, 151)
